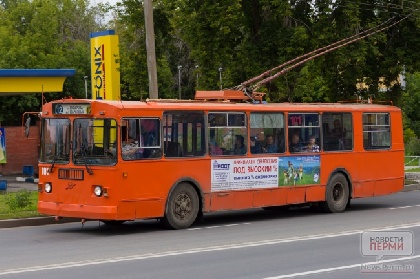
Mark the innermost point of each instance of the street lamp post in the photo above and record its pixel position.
(86, 78)
(220, 76)
(196, 69)
(179, 81)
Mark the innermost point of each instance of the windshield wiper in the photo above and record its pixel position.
(52, 164)
(83, 147)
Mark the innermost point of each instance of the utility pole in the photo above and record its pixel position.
(86, 78)
(179, 82)
(196, 69)
(150, 47)
(220, 77)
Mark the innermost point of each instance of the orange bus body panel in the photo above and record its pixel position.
(140, 189)
(315, 193)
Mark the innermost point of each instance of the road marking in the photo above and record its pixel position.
(403, 207)
(215, 227)
(196, 250)
(344, 267)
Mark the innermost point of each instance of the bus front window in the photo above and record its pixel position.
(94, 141)
(55, 141)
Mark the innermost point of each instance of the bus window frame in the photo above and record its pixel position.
(372, 132)
(181, 149)
(302, 141)
(230, 130)
(136, 150)
(275, 133)
(344, 134)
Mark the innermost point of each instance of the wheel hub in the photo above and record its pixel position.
(182, 206)
(338, 192)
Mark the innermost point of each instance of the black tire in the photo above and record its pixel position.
(336, 194)
(182, 207)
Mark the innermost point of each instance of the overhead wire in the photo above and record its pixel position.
(257, 85)
(246, 83)
(245, 86)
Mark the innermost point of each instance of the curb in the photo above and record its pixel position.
(411, 187)
(40, 221)
(36, 221)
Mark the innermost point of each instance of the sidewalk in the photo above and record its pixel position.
(13, 185)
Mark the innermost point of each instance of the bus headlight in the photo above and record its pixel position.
(48, 187)
(98, 191)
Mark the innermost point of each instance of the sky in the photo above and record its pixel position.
(112, 2)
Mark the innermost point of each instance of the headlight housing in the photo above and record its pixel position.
(98, 191)
(48, 187)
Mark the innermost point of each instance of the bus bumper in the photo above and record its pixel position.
(92, 212)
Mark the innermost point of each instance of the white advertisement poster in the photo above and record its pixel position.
(242, 174)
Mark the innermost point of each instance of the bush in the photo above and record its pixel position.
(409, 135)
(20, 200)
(412, 148)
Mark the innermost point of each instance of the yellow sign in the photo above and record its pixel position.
(21, 81)
(105, 65)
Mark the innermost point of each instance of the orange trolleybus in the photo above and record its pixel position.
(175, 160)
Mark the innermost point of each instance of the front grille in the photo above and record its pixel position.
(73, 174)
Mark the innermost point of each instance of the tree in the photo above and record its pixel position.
(410, 103)
(29, 41)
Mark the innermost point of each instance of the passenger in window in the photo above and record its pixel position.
(214, 148)
(112, 149)
(312, 146)
(131, 150)
(240, 148)
(295, 144)
(270, 147)
(255, 146)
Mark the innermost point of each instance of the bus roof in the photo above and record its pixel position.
(218, 105)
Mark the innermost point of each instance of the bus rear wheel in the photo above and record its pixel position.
(181, 208)
(336, 194)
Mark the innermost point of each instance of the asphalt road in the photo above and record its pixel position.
(298, 243)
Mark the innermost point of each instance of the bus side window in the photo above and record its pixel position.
(376, 131)
(229, 131)
(173, 149)
(337, 131)
(183, 134)
(304, 132)
(267, 132)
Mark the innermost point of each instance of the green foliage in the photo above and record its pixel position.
(244, 38)
(30, 210)
(409, 134)
(412, 148)
(19, 200)
(46, 34)
(410, 103)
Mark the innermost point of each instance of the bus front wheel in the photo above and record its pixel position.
(336, 194)
(182, 207)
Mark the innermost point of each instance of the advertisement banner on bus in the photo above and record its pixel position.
(242, 174)
(299, 170)
(258, 173)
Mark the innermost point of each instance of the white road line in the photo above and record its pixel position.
(403, 207)
(195, 250)
(215, 227)
(344, 267)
